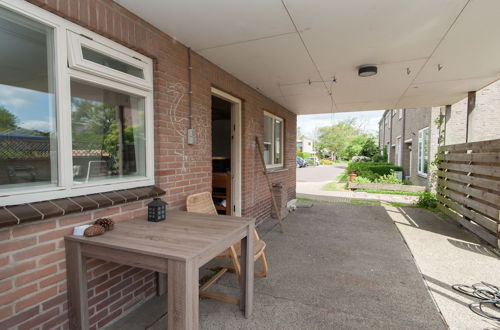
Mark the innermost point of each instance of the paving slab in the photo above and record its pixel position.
(337, 266)
(447, 254)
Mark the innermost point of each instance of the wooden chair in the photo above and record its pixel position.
(203, 203)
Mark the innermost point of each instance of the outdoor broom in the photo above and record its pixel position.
(275, 205)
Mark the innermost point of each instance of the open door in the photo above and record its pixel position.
(226, 152)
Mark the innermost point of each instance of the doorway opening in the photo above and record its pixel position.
(226, 153)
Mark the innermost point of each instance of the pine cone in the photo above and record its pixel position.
(94, 230)
(106, 223)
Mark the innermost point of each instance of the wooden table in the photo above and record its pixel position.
(178, 246)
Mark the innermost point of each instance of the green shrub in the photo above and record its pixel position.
(427, 201)
(303, 155)
(361, 179)
(388, 179)
(325, 162)
(381, 158)
(369, 170)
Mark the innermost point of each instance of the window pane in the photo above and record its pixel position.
(108, 61)
(277, 141)
(425, 150)
(268, 133)
(28, 145)
(108, 133)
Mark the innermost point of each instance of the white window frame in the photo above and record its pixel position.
(420, 156)
(101, 45)
(399, 153)
(274, 117)
(400, 113)
(107, 78)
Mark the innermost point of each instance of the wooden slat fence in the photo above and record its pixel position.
(468, 186)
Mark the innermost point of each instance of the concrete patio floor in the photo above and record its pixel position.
(338, 265)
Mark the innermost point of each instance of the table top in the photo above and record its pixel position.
(181, 236)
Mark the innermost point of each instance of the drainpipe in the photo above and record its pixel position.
(191, 136)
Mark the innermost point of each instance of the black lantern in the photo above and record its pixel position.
(157, 210)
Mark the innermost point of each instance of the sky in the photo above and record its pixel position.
(31, 107)
(369, 119)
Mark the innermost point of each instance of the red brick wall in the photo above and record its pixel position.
(33, 275)
(32, 267)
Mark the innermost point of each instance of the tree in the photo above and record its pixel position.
(8, 121)
(370, 148)
(335, 139)
(299, 133)
(362, 145)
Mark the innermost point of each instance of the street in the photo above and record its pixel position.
(319, 173)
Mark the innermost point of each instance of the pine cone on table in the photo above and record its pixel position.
(94, 230)
(106, 223)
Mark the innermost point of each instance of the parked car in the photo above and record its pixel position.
(313, 161)
(300, 162)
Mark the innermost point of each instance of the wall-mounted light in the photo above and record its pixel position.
(367, 70)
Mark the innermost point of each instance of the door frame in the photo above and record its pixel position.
(235, 148)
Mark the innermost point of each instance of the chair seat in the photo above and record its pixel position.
(259, 246)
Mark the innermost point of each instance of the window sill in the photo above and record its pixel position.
(425, 176)
(276, 169)
(23, 213)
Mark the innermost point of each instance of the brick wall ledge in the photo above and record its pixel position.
(23, 213)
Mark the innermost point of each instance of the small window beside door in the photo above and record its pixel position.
(273, 140)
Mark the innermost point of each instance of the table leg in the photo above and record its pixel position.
(247, 273)
(76, 270)
(162, 284)
(183, 299)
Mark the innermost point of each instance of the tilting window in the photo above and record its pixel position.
(273, 140)
(76, 110)
(89, 55)
(423, 151)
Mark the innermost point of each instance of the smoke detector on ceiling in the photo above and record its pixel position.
(367, 70)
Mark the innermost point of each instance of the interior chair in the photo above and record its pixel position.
(203, 203)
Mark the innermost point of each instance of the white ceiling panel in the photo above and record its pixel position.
(464, 53)
(202, 24)
(309, 103)
(268, 62)
(441, 92)
(278, 46)
(388, 85)
(345, 34)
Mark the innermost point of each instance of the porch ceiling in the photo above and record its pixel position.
(291, 49)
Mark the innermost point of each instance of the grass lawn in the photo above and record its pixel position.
(335, 186)
(340, 186)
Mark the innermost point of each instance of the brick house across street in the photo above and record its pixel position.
(106, 104)
(411, 135)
